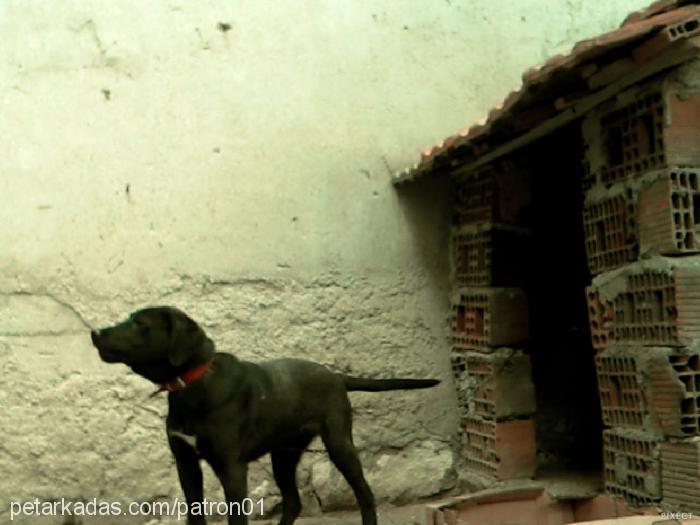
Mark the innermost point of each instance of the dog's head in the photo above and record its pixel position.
(157, 343)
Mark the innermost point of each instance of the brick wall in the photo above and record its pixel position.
(490, 323)
(641, 208)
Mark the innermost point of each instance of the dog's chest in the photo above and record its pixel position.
(190, 439)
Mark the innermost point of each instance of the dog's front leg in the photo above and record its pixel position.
(233, 475)
(190, 473)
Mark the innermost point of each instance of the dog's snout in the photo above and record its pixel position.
(94, 335)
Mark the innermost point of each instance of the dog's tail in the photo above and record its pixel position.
(380, 385)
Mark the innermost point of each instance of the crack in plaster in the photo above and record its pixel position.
(43, 333)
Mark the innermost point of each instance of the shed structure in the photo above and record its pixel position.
(575, 251)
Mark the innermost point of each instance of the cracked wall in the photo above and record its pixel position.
(233, 160)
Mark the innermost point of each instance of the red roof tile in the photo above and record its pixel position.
(654, 9)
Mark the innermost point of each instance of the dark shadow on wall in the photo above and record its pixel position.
(426, 207)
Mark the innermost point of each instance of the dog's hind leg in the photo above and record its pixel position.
(337, 437)
(284, 467)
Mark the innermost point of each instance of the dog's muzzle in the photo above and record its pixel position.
(107, 354)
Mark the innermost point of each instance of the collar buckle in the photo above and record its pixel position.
(187, 378)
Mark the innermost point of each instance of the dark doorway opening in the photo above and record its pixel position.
(568, 420)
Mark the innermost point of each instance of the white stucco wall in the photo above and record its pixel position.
(149, 156)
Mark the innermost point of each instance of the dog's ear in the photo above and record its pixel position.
(185, 337)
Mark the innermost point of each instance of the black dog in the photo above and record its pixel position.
(229, 412)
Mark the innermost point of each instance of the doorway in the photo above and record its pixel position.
(568, 420)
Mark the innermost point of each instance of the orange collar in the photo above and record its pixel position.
(184, 380)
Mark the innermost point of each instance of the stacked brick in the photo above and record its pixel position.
(642, 222)
(489, 316)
